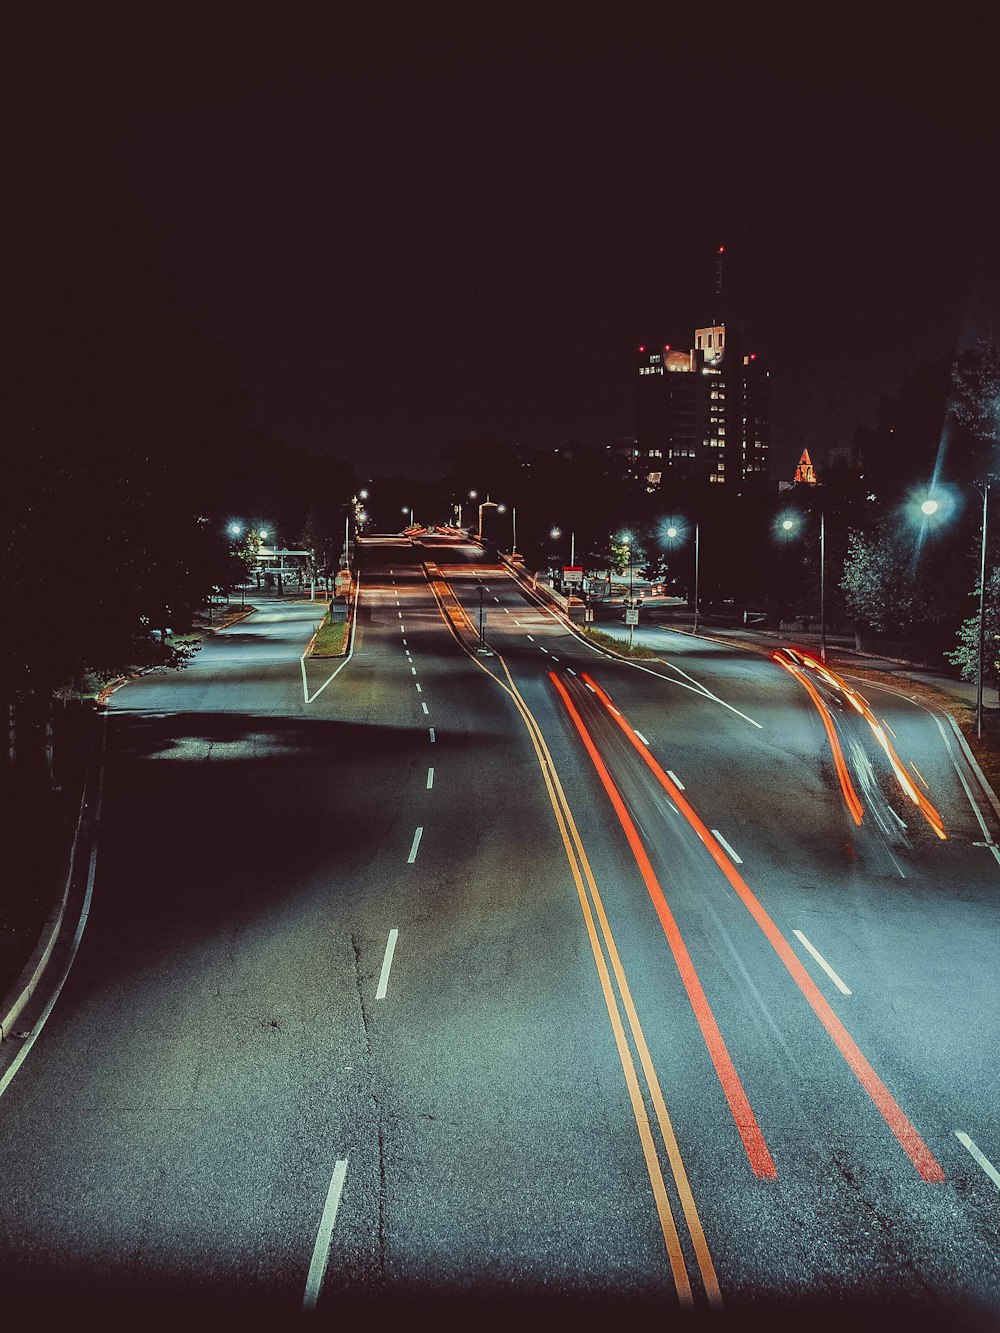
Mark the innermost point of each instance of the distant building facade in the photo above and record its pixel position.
(704, 414)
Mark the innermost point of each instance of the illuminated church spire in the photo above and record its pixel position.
(805, 470)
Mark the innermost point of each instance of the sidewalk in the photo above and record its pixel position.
(49, 831)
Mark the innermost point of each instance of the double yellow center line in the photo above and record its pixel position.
(622, 1012)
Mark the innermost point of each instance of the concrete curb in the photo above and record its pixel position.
(12, 1005)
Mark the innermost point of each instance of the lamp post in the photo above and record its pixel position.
(789, 525)
(236, 531)
(674, 531)
(626, 539)
(472, 496)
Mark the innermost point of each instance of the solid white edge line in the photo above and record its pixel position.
(350, 652)
(641, 737)
(416, 843)
(983, 1161)
(822, 962)
(700, 689)
(321, 1250)
(717, 834)
(81, 926)
(390, 949)
(430, 778)
(676, 780)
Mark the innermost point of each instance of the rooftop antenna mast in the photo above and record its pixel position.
(717, 318)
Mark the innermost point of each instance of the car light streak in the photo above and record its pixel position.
(910, 1141)
(878, 730)
(591, 906)
(746, 1122)
(844, 777)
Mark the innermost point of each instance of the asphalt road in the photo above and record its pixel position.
(438, 977)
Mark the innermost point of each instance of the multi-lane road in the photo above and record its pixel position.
(523, 976)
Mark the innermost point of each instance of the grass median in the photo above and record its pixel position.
(620, 646)
(330, 638)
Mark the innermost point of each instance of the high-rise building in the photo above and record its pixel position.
(703, 414)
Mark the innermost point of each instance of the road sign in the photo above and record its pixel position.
(632, 617)
(573, 574)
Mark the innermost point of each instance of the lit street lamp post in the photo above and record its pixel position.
(788, 525)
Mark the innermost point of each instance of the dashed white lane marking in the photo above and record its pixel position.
(413, 669)
(506, 612)
(717, 834)
(676, 780)
(321, 1250)
(390, 949)
(425, 708)
(430, 778)
(641, 737)
(433, 737)
(416, 843)
(404, 643)
(615, 711)
(400, 614)
(542, 650)
(402, 630)
(554, 658)
(590, 688)
(822, 962)
(497, 600)
(419, 690)
(571, 671)
(983, 1161)
(530, 636)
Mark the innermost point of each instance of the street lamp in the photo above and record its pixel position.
(472, 496)
(789, 524)
(673, 531)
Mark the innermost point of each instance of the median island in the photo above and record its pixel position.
(330, 638)
(620, 646)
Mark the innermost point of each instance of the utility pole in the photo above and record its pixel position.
(696, 545)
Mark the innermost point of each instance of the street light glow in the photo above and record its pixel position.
(787, 524)
(235, 529)
(556, 532)
(671, 531)
(929, 507)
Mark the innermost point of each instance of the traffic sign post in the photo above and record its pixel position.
(573, 575)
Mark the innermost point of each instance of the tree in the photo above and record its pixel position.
(966, 654)
(893, 585)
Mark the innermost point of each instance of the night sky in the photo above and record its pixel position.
(423, 228)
